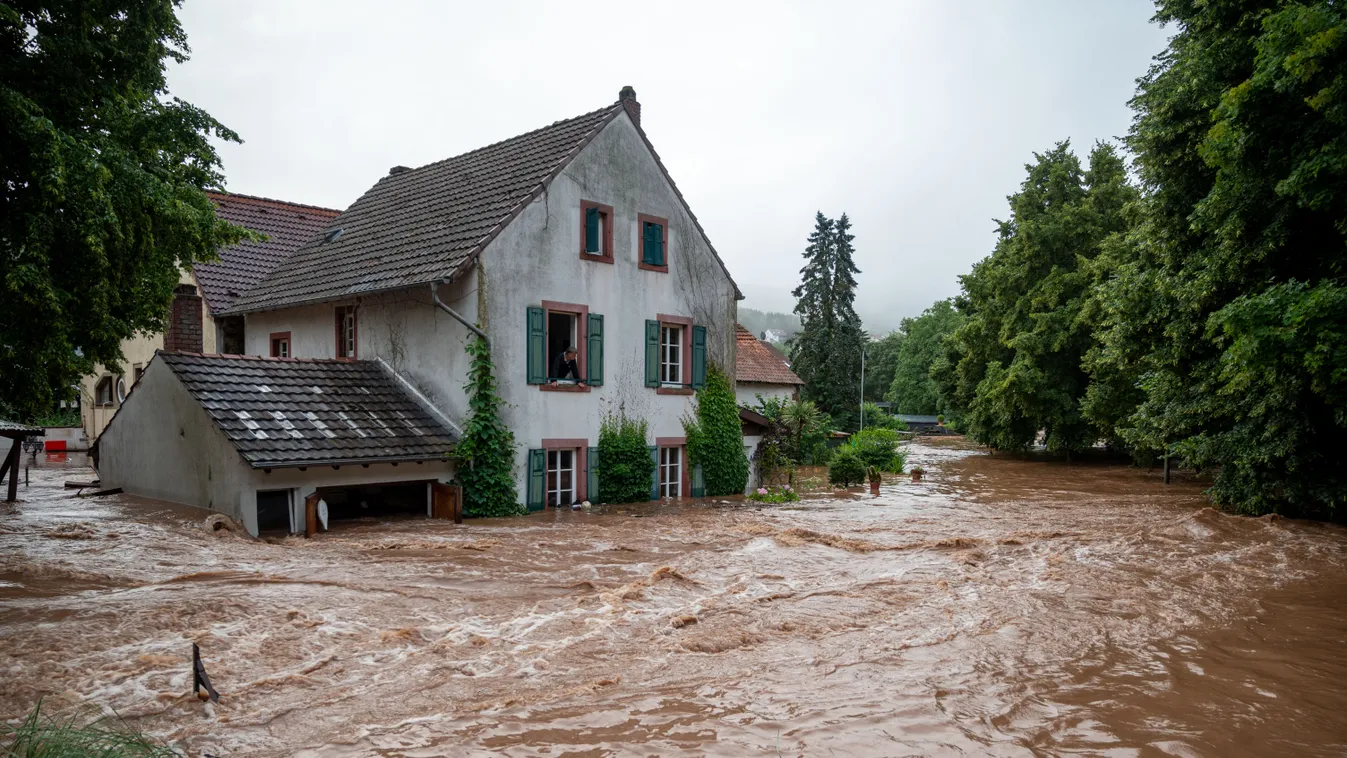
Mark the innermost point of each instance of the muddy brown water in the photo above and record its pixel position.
(1000, 607)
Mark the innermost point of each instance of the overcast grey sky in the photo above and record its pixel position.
(915, 118)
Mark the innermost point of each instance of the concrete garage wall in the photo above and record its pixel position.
(164, 446)
(746, 393)
(537, 258)
(404, 328)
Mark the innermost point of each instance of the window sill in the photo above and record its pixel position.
(564, 388)
(675, 391)
(647, 267)
(608, 258)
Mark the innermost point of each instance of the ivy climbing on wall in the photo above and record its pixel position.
(715, 439)
(486, 454)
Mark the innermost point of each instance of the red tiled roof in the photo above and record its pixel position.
(287, 226)
(758, 361)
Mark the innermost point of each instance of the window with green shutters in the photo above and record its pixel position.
(654, 242)
(596, 231)
(592, 474)
(698, 357)
(537, 345)
(675, 354)
(594, 343)
(652, 334)
(580, 329)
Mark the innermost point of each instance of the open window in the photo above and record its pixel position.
(554, 327)
(654, 236)
(346, 331)
(280, 344)
(596, 232)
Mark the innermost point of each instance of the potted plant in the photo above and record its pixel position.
(917, 471)
(940, 420)
(875, 476)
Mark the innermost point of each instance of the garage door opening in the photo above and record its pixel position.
(375, 501)
(273, 511)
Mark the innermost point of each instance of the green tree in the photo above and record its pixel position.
(1225, 304)
(1017, 360)
(827, 351)
(715, 439)
(881, 359)
(102, 180)
(486, 453)
(912, 389)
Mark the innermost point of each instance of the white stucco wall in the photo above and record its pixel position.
(419, 341)
(746, 393)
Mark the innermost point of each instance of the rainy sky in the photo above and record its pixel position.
(915, 118)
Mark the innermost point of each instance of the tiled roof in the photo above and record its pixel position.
(759, 362)
(288, 412)
(422, 224)
(287, 226)
(13, 429)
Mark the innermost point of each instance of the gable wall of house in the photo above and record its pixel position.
(164, 446)
(420, 342)
(537, 258)
(746, 393)
(137, 353)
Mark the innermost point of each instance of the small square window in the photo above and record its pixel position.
(280, 344)
(596, 231)
(654, 243)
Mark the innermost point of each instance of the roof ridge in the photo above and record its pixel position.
(240, 356)
(258, 198)
(498, 143)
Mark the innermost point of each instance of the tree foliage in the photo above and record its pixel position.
(827, 351)
(1016, 362)
(486, 453)
(715, 439)
(625, 466)
(912, 388)
(1225, 304)
(101, 187)
(881, 359)
(846, 468)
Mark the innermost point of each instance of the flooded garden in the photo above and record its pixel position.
(1002, 606)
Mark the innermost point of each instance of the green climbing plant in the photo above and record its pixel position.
(625, 465)
(715, 439)
(486, 454)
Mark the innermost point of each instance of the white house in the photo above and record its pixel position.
(573, 234)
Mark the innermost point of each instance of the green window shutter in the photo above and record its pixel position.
(651, 353)
(537, 479)
(537, 346)
(698, 357)
(654, 475)
(594, 358)
(592, 485)
(652, 244)
(698, 482)
(592, 230)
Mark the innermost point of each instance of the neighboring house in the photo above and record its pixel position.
(573, 234)
(194, 323)
(921, 424)
(761, 369)
(775, 335)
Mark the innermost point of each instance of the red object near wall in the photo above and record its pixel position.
(54, 446)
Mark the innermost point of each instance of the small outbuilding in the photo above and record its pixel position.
(761, 371)
(282, 445)
(921, 424)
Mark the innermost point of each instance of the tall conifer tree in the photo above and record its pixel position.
(828, 349)
(813, 303)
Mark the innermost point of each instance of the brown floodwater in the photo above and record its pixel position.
(1001, 607)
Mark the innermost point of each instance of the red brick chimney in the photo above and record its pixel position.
(628, 99)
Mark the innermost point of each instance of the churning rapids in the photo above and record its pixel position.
(1001, 607)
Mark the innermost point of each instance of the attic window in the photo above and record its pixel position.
(333, 235)
(596, 231)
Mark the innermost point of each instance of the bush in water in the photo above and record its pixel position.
(846, 468)
(625, 467)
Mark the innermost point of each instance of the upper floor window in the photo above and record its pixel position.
(103, 391)
(565, 346)
(596, 231)
(654, 242)
(280, 344)
(346, 332)
(675, 355)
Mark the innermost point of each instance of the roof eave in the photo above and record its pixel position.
(350, 461)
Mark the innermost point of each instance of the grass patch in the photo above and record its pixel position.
(46, 737)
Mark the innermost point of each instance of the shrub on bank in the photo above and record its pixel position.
(846, 468)
(625, 467)
(774, 495)
(879, 448)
